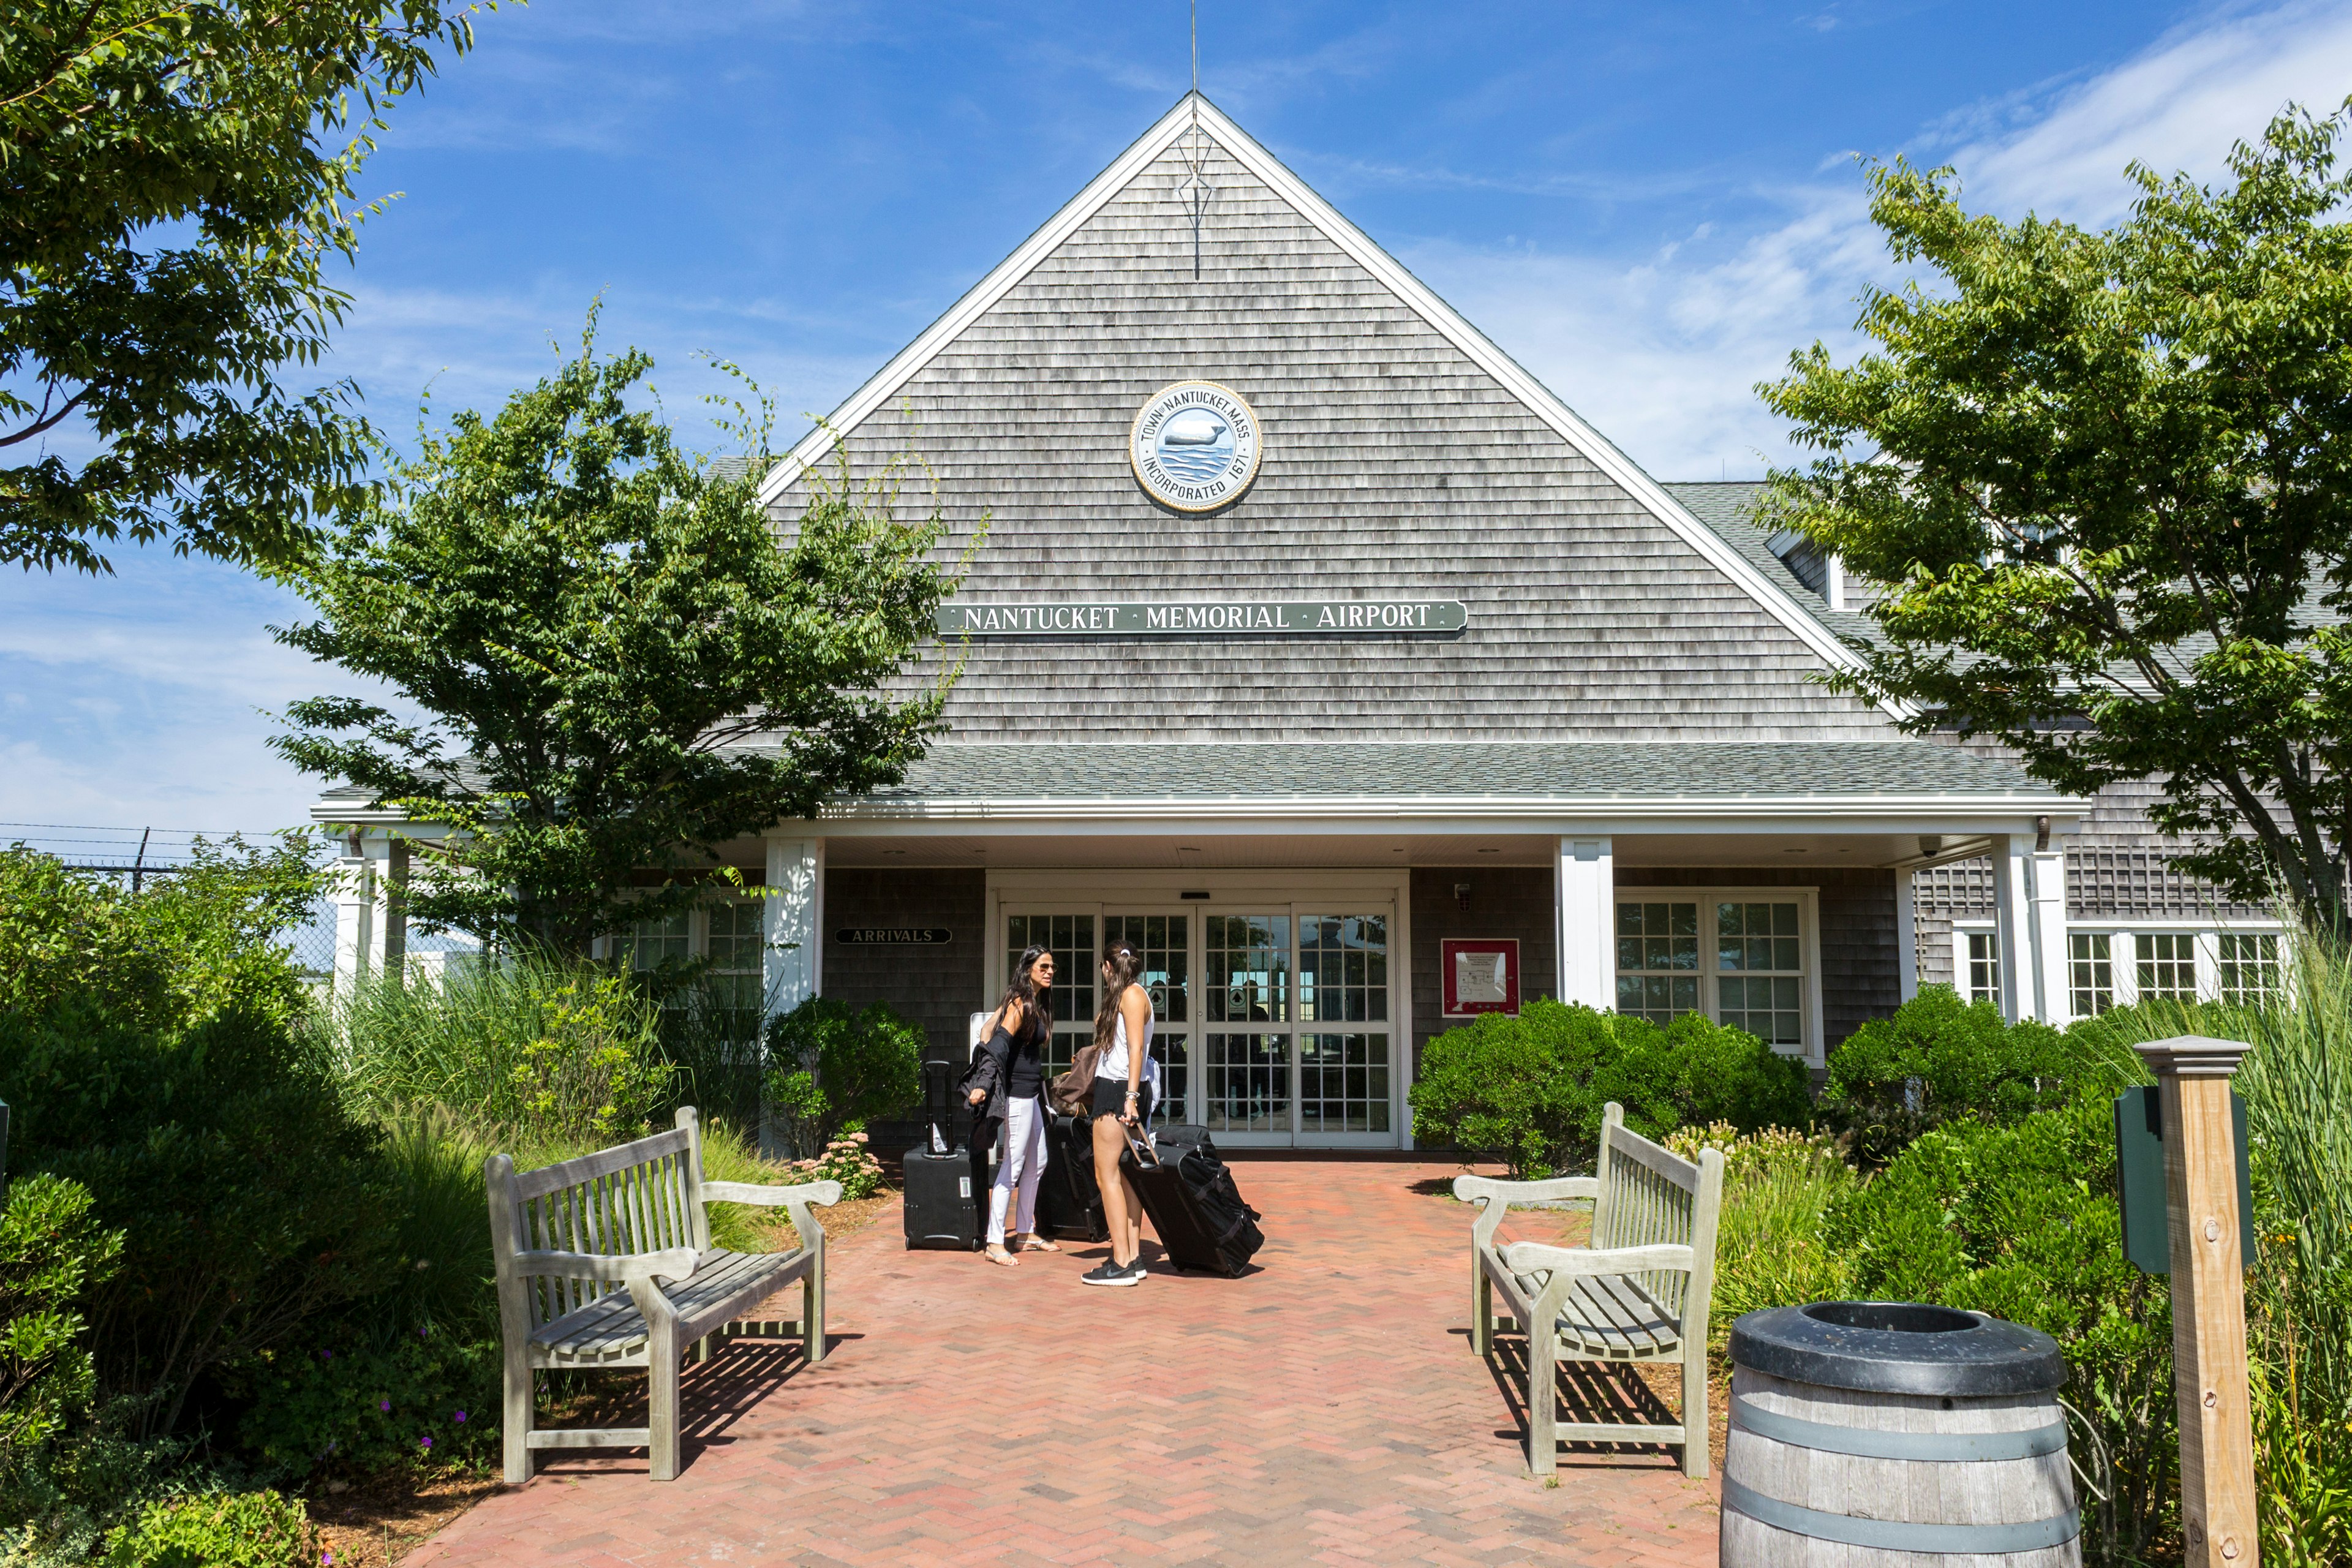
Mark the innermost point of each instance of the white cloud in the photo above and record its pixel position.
(1662, 354)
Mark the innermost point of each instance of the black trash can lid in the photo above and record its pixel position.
(1897, 1347)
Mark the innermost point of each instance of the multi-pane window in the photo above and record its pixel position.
(2091, 972)
(2167, 965)
(651, 944)
(1658, 959)
(1343, 978)
(1984, 967)
(1071, 939)
(1164, 943)
(2250, 973)
(1758, 972)
(733, 983)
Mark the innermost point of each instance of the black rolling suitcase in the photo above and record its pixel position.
(1069, 1203)
(1190, 1200)
(946, 1190)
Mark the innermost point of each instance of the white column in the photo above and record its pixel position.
(1585, 889)
(2011, 857)
(354, 920)
(793, 964)
(1907, 937)
(2048, 880)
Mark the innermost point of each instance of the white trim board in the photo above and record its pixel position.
(1449, 323)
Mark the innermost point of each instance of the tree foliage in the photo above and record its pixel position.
(2105, 480)
(172, 181)
(618, 666)
(837, 1068)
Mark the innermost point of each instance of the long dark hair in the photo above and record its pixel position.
(1126, 964)
(1022, 988)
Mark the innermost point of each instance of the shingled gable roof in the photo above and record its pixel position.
(1196, 108)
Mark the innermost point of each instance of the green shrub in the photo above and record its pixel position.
(837, 1068)
(2021, 1221)
(378, 1401)
(1531, 1090)
(1695, 1072)
(1519, 1088)
(52, 1252)
(1937, 1060)
(2297, 1083)
(224, 1529)
(153, 1051)
(1770, 1247)
(550, 1050)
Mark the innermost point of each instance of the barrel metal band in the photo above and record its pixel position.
(1902, 1535)
(1951, 1448)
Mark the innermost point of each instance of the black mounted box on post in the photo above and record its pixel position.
(2140, 1179)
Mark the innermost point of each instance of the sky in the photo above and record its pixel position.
(1650, 206)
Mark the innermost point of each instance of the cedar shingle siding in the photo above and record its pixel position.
(1393, 465)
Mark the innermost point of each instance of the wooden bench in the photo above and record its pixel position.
(606, 1261)
(1638, 1293)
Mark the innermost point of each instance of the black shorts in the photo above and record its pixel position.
(1110, 1098)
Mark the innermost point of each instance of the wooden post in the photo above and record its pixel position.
(2208, 1299)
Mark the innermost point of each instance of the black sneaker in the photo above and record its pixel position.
(1110, 1273)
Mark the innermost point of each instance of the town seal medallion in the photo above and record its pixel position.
(1195, 446)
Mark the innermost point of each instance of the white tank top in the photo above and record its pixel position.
(1112, 1064)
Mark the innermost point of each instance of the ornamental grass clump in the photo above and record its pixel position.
(546, 1048)
(1777, 1185)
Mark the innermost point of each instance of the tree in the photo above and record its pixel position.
(2106, 481)
(169, 192)
(619, 667)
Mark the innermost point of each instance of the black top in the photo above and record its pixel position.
(1897, 1347)
(1007, 1067)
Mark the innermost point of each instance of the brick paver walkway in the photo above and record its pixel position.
(1324, 1408)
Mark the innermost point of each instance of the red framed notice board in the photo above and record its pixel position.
(1480, 974)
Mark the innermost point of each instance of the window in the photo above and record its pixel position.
(1246, 988)
(1740, 958)
(1761, 987)
(652, 943)
(1071, 939)
(734, 983)
(2167, 963)
(2091, 973)
(1984, 967)
(1658, 959)
(2251, 975)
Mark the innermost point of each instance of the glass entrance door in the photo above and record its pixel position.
(1273, 1024)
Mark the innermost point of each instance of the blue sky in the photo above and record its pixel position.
(1650, 206)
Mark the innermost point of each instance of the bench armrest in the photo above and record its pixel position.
(795, 1200)
(1536, 1257)
(627, 1268)
(1493, 1189)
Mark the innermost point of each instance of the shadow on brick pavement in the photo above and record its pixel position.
(1323, 1408)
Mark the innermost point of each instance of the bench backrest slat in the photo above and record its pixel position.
(641, 1196)
(1649, 1197)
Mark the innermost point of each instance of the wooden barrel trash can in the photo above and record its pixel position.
(1877, 1431)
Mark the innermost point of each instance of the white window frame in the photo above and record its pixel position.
(1710, 992)
(2123, 950)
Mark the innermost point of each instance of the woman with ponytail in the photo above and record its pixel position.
(1122, 1102)
(1006, 1090)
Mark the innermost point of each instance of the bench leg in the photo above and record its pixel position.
(514, 1430)
(1482, 1308)
(1695, 1427)
(1543, 1376)
(813, 1310)
(661, 1417)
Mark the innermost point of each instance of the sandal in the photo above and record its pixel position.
(1033, 1242)
(1000, 1258)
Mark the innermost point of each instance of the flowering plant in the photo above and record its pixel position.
(845, 1160)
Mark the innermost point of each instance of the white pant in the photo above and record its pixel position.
(1020, 1157)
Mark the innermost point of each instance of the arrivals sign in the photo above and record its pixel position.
(1013, 618)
